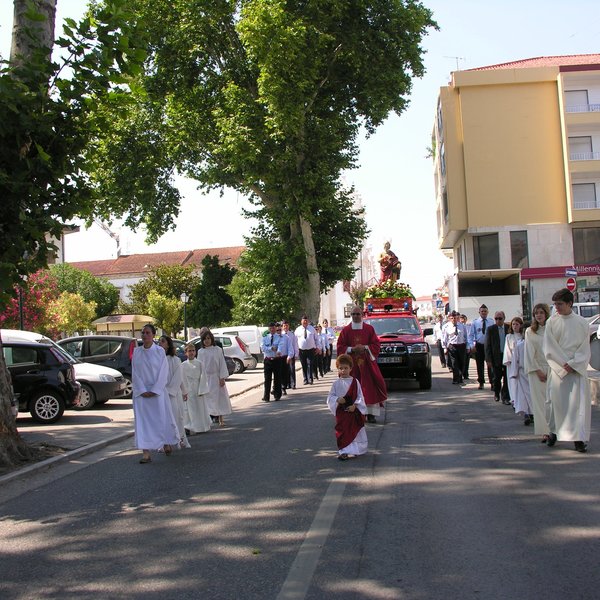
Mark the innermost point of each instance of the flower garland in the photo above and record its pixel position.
(389, 289)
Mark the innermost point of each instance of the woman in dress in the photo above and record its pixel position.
(176, 388)
(536, 368)
(522, 398)
(215, 369)
(198, 418)
(155, 426)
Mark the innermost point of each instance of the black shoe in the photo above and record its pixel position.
(277, 399)
(266, 399)
(305, 382)
(497, 398)
(551, 439)
(371, 419)
(581, 447)
(284, 392)
(527, 420)
(481, 386)
(187, 432)
(293, 387)
(310, 382)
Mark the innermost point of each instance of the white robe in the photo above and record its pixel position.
(154, 422)
(567, 340)
(197, 415)
(536, 361)
(215, 368)
(507, 361)
(177, 388)
(338, 390)
(522, 397)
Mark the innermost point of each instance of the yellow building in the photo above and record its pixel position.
(517, 179)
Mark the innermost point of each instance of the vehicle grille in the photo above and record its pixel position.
(393, 349)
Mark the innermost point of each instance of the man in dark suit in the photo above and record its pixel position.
(495, 338)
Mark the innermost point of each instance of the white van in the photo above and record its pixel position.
(251, 335)
(585, 309)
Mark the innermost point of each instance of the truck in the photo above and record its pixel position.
(404, 353)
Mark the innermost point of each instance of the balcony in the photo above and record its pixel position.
(583, 108)
(584, 156)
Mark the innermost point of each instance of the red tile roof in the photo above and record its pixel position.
(546, 61)
(138, 264)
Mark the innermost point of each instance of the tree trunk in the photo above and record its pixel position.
(311, 295)
(42, 31)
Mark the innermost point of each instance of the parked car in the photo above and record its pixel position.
(98, 383)
(112, 351)
(43, 379)
(251, 335)
(235, 349)
(593, 325)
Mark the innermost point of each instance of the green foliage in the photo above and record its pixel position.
(72, 313)
(210, 304)
(169, 281)
(47, 126)
(165, 311)
(92, 289)
(390, 289)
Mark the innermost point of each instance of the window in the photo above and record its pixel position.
(518, 249)
(486, 251)
(584, 195)
(586, 246)
(580, 148)
(100, 347)
(20, 356)
(577, 101)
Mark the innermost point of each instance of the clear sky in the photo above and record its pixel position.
(394, 180)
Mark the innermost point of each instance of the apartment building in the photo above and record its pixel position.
(517, 178)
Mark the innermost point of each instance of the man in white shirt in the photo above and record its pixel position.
(330, 335)
(454, 342)
(307, 347)
(437, 334)
(477, 333)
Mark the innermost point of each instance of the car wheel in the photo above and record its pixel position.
(128, 387)
(424, 379)
(253, 364)
(239, 366)
(593, 337)
(46, 407)
(87, 398)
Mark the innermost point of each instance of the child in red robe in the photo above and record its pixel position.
(347, 403)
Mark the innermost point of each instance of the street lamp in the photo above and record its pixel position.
(184, 298)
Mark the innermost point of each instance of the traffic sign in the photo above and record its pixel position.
(571, 284)
(570, 272)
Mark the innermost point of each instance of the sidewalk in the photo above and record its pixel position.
(81, 433)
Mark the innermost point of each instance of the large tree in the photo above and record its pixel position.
(268, 97)
(49, 115)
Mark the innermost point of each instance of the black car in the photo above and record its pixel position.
(43, 379)
(113, 351)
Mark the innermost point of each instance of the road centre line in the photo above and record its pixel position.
(299, 578)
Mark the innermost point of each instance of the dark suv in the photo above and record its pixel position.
(113, 351)
(42, 378)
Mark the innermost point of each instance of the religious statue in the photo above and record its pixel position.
(390, 265)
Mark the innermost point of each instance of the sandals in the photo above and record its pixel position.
(343, 457)
(145, 460)
(168, 449)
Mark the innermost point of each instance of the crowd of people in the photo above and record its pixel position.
(171, 399)
(540, 370)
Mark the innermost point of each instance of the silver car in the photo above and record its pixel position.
(234, 348)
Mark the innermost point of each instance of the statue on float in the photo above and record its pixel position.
(390, 265)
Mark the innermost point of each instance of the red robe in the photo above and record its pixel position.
(364, 369)
(348, 424)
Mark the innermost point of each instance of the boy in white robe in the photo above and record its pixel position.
(155, 426)
(197, 416)
(347, 403)
(567, 350)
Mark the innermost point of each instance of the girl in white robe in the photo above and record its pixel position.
(522, 397)
(514, 335)
(176, 388)
(155, 427)
(197, 415)
(214, 368)
(536, 367)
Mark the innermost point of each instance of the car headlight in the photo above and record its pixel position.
(417, 348)
(107, 378)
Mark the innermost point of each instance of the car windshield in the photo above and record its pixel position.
(397, 325)
(66, 356)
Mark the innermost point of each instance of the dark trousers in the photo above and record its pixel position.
(291, 373)
(306, 360)
(272, 372)
(500, 382)
(328, 359)
(456, 352)
(481, 364)
(320, 363)
(466, 363)
(441, 353)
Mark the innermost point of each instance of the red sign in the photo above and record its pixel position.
(571, 284)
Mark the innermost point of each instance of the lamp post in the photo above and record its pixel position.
(184, 298)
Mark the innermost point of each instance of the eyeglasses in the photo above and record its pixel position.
(499, 318)
(355, 314)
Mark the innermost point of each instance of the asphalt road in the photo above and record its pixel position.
(456, 499)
